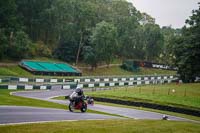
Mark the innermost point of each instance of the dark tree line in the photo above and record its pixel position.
(186, 48)
(93, 31)
(64, 28)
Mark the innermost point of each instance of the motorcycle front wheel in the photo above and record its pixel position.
(84, 107)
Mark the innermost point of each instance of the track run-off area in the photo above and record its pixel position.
(22, 114)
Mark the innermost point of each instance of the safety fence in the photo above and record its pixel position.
(84, 79)
(84, 82)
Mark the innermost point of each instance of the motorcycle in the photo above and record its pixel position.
(81, 105)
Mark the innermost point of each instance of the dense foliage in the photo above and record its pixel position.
(187, 49)
(64, 28)
(94, 31)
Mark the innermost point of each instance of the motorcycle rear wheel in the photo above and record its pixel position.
(71, 107)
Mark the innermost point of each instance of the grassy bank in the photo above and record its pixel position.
(7, 99)
(14, 71)
(183, 95)
(114, 70)
(106, 126)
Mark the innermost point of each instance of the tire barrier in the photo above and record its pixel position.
(34, 80)
(83, 85)
(85, 79)
(85, 82)
(36, 87)
(150, 105)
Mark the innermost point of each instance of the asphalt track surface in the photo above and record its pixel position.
(21, 114)
(126, 112)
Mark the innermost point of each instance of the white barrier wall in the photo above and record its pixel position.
(12, 87)
(66, 87)
(115, 79)
(54, 80)
(28, 87)
(90, 85)
(88, 82)
(106, 79)
(101, 84)
(43, 87)
(97, 80)
(77, 80)
(23, 79)
(112, 84)
(39, 80)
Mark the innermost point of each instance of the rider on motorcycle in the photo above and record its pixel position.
(77, 96)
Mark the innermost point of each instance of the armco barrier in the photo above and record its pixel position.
(151, 105)
(84, 82)
(85, 79)
(34, 80)
(121, 83)
(35, 87)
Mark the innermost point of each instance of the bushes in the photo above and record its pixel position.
(15, 46)
(40, 49)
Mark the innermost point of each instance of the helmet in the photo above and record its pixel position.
(79, 91)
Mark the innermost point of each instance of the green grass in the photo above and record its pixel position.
(7, 99)
(59, 98)
(157, 94)
(14, 71)
(116, 70)
(105, 126)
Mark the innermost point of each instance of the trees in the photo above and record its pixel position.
(169, 35)
(64, 28)
(37, 18)
(19, 45)
(14, 42)
(90, 57)
(187, 49)
(104, 41)
(3, 43)
(125, 17)
(75, 19)
(153, 41)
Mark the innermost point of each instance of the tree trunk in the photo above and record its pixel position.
(79, 49)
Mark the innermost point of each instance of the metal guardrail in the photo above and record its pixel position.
(82, 79)
(71, 85)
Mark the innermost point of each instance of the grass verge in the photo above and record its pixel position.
(7, 99)
(105, 126)
(14, 71)
(183, 95)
